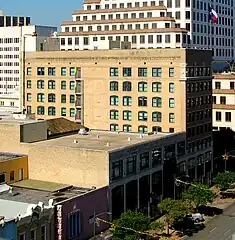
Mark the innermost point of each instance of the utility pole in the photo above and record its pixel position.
(225, 158)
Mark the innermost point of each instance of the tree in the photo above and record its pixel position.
(174, 210)
(225, 180)
(199, 194)
(134, 220)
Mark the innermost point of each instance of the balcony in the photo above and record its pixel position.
(78, 102)
(78, 89)
(78, 73)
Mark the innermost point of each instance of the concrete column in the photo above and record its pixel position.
(150, 185)
(196, 173)
(124, 190)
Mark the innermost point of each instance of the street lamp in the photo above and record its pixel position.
(22, 66)
(177, 183)
(95, 221)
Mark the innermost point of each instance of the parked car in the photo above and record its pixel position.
(197, 217)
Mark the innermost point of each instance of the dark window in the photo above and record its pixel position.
(126, 87)
(222, 100)
(228, 116)
(157, 156)
(117, 169)
(126, 72)
(231, 85)
(40, 71)
(131, 165)
(142, 101)
(113, 86)
(12, 176)
(218, 116)
(217, 85)
(144, 160)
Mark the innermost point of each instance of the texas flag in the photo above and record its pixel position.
(213, 17)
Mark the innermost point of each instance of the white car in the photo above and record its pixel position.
(197, 217)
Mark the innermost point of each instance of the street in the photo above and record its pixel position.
(222, 227)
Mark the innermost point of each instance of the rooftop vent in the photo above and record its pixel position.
(141, 136)
(75, 141)
(97, 136)
(108, 144)
(10, 190)
(82, 131)
(129, 139)
(155, 132)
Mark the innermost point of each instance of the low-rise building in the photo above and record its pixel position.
(224, 101)
(8, 229)
(47, 210)
(13, 167)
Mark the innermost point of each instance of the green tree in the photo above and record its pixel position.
(130, 219)
(199, 194)
(174, 210)
(224, 180)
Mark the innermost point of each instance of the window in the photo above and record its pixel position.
(126, 72)
(131, 165)
(144, 160)
(29, 71)
(40, 84)
(171, 117)
(51, 71)
(72, 71)
(63, 112)
(51, 84)
(29, 97)
(63, 85)
(51, 111)
(142, 116)
(142, 102)
(142, 87)
(40, 97)
(126, 128)
(156, 87)
(63, 71)
(72, 112)
(40, 71)
(22, 236)
(222, 100)
(217, 85)
(43, 232)
(12, 176)
(51, 97)
(171, 103)
(142, 72)
(29, 84)
(214, 99)
(40, 110)
(127, 101)
(156, 102)
(2, 178)
(218, 116)
(171, 87)
(114, 100)
(71, 85)
(63, 98)
(113, 72)
(117, 169)
(73, 225)
(113, 114)
(157, 156)
(156, 117)
(113, 86)
(171, 72)
(114, 127)
(126, 87)
(142, 129)
(127, 115)
(156, 72)
(72, 99)
(232, 86)
(228, 116)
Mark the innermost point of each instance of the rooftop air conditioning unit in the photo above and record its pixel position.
(82, 131)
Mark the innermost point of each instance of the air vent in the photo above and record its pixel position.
(82, 131)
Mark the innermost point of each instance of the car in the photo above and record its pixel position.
(197, 217)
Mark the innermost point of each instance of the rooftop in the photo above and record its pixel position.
(34, 191)
(5, 156)
(103, 141)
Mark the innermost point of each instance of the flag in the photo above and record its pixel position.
(213, 17)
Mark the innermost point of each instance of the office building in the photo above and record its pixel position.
(13, 167)
(130, 164)
(16, 39)
(151, 24)
(223, 101)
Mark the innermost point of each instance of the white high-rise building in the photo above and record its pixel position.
(16, 38)
(152, 24)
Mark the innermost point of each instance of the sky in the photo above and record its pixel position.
(42, 12)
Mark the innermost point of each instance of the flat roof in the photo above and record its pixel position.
(103, 141)
(34, 191)
(5, 156)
